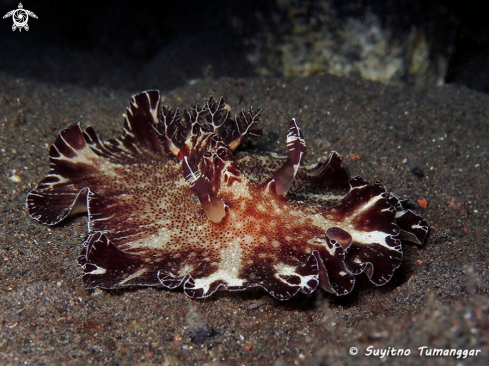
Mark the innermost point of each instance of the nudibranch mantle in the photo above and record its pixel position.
(170, 204)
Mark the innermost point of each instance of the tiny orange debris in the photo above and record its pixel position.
(423, 203)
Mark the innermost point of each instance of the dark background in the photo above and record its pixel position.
(130, 44)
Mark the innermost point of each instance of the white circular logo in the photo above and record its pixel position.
(353, 351)
(20, 17)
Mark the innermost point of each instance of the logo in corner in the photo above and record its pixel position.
(20, 17)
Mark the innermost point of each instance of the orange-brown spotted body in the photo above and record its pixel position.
(169, 203)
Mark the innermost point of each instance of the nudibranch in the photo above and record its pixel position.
(170, 204)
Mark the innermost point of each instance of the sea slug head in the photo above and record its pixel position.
(204, 141)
